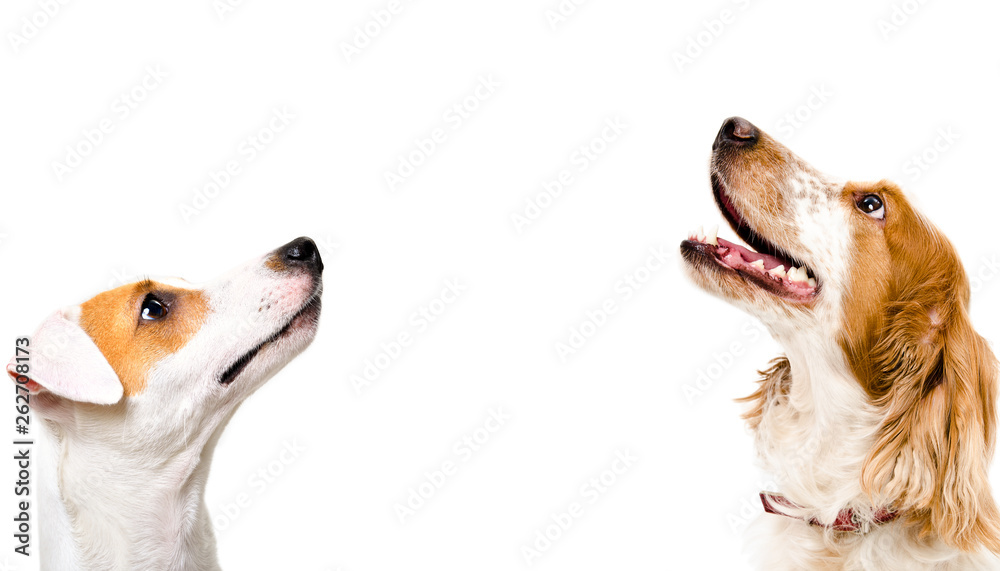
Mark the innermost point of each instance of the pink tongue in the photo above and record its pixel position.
(738, 253)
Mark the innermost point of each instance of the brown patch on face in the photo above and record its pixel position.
(276, 263)
(906, 283)
(133, 345)
(756, 179)
(910, 343)
(758, 184)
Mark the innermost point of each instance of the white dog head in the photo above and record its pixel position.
(160, 362)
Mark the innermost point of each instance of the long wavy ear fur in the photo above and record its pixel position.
(935, 379)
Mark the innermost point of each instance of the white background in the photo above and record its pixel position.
(887, 94)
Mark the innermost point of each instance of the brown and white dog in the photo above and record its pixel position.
(879, 422)
(135, 386)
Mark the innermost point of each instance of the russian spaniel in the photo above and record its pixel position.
(878, 424)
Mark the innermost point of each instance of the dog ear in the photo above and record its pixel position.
(64, 360)
(932, 453)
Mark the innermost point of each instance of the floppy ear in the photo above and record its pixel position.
(932, 453)
(64, 360)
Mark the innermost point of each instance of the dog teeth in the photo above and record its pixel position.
(713, 235)
(798, 275)
(812, 282)
(777, 272)
(759, 264)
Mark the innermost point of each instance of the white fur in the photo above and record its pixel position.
(815, 439)
(815, 442)
(69, 362)
(785, 544)
(122, 485)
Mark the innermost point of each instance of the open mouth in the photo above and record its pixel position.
(762, 263)
(309, 311)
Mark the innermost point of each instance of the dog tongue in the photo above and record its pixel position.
(735, 256)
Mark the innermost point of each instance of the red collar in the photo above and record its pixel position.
(846, 520)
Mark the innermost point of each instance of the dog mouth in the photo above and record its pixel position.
(308, 312)
(762, 263)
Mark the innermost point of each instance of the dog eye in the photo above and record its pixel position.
(872, 206)
(153, 309)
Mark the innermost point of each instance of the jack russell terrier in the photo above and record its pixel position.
(134, 388)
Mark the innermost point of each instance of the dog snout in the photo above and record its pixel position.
(736, 132)
(302, 252)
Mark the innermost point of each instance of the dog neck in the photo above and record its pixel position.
(816, 430)
(108, 506)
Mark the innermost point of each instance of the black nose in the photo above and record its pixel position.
(302, 252)
(736, 132)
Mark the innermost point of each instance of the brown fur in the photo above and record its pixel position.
(757, 173)
(910, 343)
(906, 335)
(131, 345)
(275, 263)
